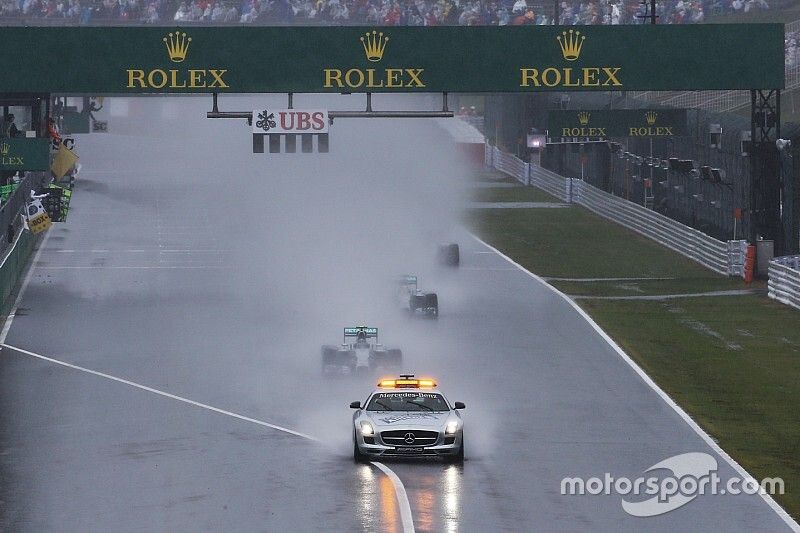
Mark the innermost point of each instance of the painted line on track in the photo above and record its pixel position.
(402, 498)
(161, 393)
(780, 511)
(25, 282)
(400, 491)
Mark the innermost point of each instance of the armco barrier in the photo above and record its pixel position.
(784, 280)
(14, 255)
(13, 266)
(719, 256)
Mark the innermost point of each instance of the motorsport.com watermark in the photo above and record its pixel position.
(691, 475)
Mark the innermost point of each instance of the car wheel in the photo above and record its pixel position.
(358, 457)
(459, 457)
(449, 254)
(394, 357)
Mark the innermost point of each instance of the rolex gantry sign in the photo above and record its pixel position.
(606, 123)
(24, 154)
(130, 60)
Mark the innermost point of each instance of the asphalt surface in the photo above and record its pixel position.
(154, 280)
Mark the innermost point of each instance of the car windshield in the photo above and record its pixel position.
(407, 401)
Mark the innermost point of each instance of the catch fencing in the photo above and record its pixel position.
(784, 280)
(720, 256)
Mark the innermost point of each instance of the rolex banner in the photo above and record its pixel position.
(63, 161)
(24, 154)
(606, 123)
(348, 59)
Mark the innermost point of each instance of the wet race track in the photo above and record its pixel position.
(162, 372)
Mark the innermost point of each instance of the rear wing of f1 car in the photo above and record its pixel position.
(369, 333)
(408, 280)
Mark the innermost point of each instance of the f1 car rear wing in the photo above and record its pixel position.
(367, 333)
(408, 280)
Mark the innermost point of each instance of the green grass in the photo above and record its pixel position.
(574, 243)
(681, 285)
(732, 362)
(517, 194)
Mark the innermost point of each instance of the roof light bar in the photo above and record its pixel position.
(407, 382)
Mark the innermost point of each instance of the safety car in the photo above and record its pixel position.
(407, 417)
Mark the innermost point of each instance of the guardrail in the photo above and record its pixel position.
(784, 280)
(722, 257)
(10, 210)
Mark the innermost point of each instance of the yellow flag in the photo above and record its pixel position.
(64, 160)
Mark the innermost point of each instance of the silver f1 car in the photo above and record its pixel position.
(415, 301)
(360, 356)
(407, 417)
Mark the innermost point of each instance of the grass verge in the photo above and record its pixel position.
(732, 362)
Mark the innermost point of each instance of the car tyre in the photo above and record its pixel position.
(458, 458)
(358, 457)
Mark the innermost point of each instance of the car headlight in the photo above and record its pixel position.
(451, 427)
(367, 429)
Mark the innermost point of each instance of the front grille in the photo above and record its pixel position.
(399, 437)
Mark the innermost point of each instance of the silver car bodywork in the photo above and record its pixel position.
(407, 433)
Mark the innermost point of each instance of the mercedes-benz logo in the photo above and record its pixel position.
(408, 438)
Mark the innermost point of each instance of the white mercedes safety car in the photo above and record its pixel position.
(407, 417)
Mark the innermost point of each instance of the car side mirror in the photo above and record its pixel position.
(355, 405)
(459, 405)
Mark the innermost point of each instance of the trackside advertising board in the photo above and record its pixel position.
(290, 121)
(606, 123)
(24, 154)
(130, 60)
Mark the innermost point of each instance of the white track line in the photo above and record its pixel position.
(400, 491)
(18, 299)
(652, 384)
(402, 498)
(162, 393)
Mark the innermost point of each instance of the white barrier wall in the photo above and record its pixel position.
(784, 280)
(720, 256)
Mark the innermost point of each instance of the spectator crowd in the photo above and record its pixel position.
(369, 12)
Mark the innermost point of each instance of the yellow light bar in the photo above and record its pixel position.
(407, 384)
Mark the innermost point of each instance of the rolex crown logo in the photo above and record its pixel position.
(177, 45)
(571, 43)
(583, 117)
(4, 148)
(651, 117)
(374, 44)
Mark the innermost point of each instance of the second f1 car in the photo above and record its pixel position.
(416, 301)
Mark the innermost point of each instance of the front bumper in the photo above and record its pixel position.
(443, 446)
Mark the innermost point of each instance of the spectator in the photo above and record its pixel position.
(10, 128)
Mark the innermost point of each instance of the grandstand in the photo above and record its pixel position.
(366, 12)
